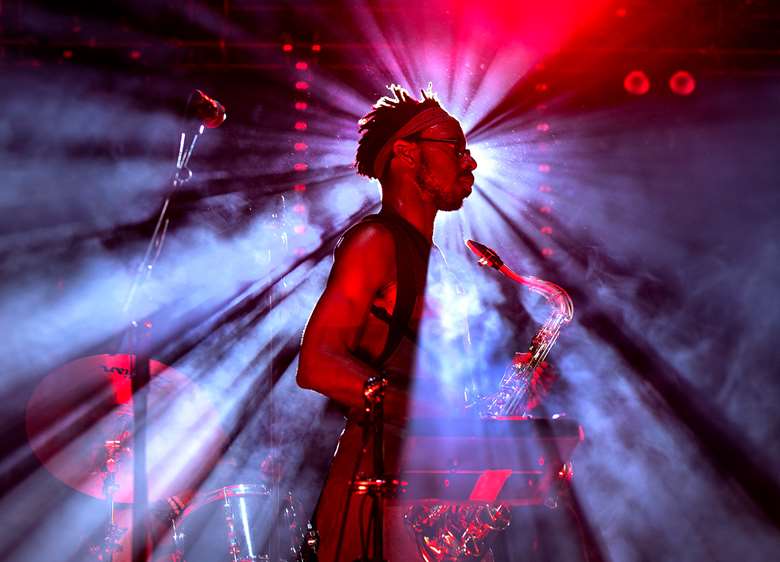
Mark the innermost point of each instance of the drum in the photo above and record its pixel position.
(230, 524)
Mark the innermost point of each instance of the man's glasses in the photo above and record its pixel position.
(459, 154)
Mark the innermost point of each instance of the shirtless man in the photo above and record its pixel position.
(367, 319)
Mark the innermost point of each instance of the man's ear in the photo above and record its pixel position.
(407, 152)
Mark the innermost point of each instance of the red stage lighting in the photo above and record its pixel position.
(316, 48)
(636, 83)
(67, 54)
(301, 65)
(301, 105)
(300, 166)
(544, 168)
(135, 54)
(543, 127)
(301, 126)
(299, 187)
(287, 47)
(301, 85)
(300, 146)
(682, 83)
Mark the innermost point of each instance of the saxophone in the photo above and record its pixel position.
(459, 533)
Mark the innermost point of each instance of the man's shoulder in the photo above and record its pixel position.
(370, 235)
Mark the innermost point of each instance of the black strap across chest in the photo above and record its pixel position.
(412, 252)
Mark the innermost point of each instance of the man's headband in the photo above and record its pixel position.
(426, 118)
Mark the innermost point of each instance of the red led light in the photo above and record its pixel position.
(287, 47)
(301, 85)
(545, 210)
(546, 230)
(636, 83)
(316, 47)
(300, 166)
(301, 146)
(301, 105)
(541, 461)
(301, 65)
(301, 126)
(299, 187)
(67, 54)
(542, 87)
(544, 168)
(135, 54)
(682, 83)
(547, 252)
(543, 127)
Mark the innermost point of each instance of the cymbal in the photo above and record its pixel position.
(84, 408)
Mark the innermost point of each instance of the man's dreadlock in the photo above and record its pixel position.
(387, 117)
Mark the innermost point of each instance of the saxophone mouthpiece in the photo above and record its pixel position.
(487, 256)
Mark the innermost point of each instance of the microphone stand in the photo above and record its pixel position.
(139, 343)
(375, 485)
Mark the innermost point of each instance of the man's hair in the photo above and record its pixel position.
(384, 120)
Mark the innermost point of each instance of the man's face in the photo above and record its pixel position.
(445, 170)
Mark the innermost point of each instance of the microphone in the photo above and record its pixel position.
(207, 110)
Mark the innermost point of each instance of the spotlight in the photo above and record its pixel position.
(301, 65)
(301, 146)
(301, 125)
(682, 83)
(287, 47)
(301, 85)
(636, 83)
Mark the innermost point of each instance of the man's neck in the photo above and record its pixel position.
(419, 216)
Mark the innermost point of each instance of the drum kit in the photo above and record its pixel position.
(80, 426)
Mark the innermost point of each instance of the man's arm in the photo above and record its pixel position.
(364, 264)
